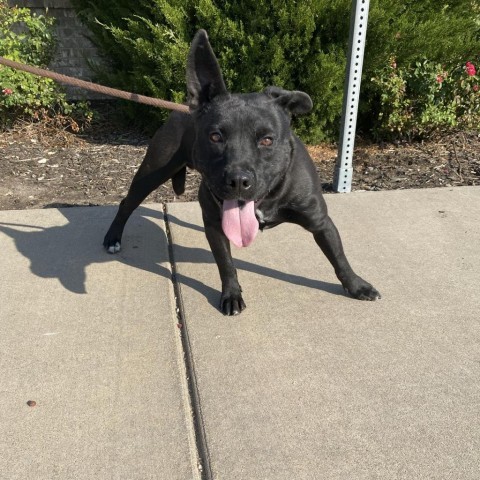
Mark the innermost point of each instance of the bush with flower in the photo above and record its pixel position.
(29, 38)
(416, 100)
(300, 45)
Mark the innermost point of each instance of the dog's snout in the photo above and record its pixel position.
(239, 182)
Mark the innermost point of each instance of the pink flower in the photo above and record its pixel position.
(475, 88)
(7, 91)
(440, 79)
(470, 68)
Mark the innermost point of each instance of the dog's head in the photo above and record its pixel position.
(243, 144)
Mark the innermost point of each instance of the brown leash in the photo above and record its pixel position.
(94, 87)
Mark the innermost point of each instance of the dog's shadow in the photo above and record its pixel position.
(64, 252)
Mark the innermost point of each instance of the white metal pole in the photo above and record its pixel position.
(342, 180)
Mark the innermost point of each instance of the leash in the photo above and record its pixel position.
(95, 87)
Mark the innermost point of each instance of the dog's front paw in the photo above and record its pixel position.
(231, 303)
(361, 290)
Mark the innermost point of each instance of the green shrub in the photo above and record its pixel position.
(422, 39)
(418, 99)
(293, 44)
(28, 38)
(258, 44)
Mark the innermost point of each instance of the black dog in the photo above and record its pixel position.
(255, 172)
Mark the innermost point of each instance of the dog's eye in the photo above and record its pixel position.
(266, 142)
(216, 137)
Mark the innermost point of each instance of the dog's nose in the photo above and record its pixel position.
(239, 182)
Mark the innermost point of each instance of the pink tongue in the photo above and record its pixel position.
(239, 223)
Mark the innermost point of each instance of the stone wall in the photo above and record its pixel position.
(73, 45)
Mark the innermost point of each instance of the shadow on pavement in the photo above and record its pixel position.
(64, 252)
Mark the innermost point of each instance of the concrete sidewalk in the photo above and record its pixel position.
(90, 338)
(306, 384)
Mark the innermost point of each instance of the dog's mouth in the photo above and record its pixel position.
(239, 222)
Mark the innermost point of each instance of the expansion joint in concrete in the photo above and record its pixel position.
(203, 456)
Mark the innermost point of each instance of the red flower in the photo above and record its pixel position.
(7, 91)
(470, 68)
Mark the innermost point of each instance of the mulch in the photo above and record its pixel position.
(42, 166)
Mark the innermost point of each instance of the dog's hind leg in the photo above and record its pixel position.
(139, 190)
(166, 157)
(178, 181)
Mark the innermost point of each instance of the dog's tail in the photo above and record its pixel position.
(178, 181)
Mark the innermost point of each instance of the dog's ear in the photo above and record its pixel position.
(204, 77)
(297, 103)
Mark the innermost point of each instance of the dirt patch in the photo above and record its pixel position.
(41, 166)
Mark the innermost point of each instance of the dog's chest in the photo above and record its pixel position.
(267, 217)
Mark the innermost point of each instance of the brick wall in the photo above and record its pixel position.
(73, 45)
